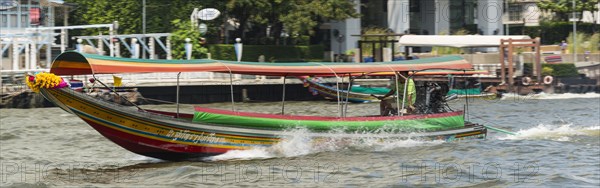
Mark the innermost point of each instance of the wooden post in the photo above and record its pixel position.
(360, 47)
(502, 65)
(374, 51)
(538, 57)
(511, 80)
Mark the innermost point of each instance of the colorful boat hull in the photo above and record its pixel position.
(162, 135)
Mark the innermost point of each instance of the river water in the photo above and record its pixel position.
(558, 144)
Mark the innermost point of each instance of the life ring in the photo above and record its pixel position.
(548, 79)
(526, 81)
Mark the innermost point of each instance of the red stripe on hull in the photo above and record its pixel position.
(155, 148)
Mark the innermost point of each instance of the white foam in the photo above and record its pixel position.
(549, 132)
(145, 159)
(303, 144)
(543, 96)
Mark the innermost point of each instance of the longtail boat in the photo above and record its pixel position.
(209, 132)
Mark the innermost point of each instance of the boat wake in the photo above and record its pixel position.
(303, 144)
(557, 133)
(543, 96)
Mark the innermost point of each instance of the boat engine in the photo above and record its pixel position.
(431, 98)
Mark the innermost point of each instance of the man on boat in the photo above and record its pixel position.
(388, 105)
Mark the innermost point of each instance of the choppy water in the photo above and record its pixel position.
(558, 145)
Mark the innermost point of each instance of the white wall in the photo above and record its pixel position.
(347, 28)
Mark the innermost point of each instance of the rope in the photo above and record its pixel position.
(157, 100)
(494, 128)
(132, 103)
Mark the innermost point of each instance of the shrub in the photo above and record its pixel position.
(554, 32)
(556, 70)
(182, 31)
(547, 71)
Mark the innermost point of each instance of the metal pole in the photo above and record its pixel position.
(467, 96)
(538, 64)
(231, 87)
(49, 41)
(502, 63)
(283, 97)
(111, 45)
(404, 96)
(348, 93)
(143, 25)
(63, 39)
(15, 54)
(511, 79)
(574, 34)
(337, 87)
(506, 12)
(177, 99)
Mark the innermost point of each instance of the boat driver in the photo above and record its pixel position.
(388, 105)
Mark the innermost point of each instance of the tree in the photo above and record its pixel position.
(105, 12)
(305, 15)
(159, 14)
(563, 9)
(295, 16)
(183, 30)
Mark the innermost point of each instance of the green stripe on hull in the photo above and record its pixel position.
(425, 124)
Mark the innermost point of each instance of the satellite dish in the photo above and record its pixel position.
(8, 4)
(208, 14)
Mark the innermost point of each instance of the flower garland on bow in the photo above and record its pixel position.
(44, 80)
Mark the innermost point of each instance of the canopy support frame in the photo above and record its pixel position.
(283, 97)
(337, 84)
(231, 87)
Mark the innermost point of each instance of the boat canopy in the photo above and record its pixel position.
(74, 63)
(459, 41)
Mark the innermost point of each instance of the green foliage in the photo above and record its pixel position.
(585, 42)
(304, 14)
(183, 30)
(562, 69)
(159, 15)
(272, 53)
(554, 32)
(127, 13)
(556, 70)
(367, 48)
(547, 70)
(298, 18)
(295, 17)
(562, 9)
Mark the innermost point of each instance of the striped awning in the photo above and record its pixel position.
(74, 63)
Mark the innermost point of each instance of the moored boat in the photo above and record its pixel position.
(358, 94)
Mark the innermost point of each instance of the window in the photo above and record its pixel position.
(4, 21)
(514, 12)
